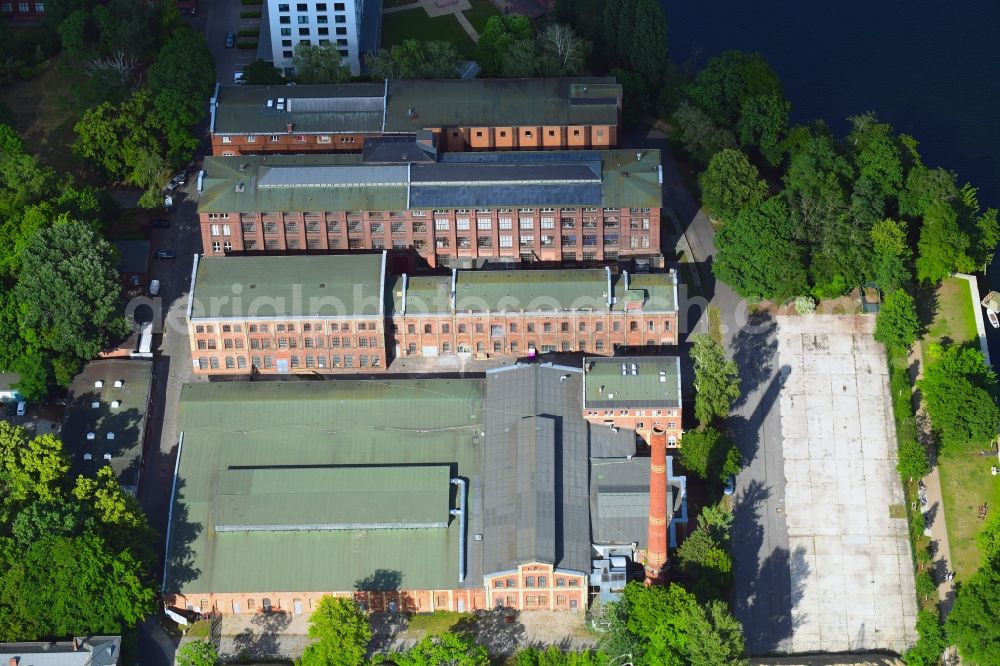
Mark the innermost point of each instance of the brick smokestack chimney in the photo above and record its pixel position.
(656, 539)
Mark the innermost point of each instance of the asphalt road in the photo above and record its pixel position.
(171, 369)
(215, 19)
(762, 586)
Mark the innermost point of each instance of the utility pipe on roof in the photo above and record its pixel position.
(460, 512)
(611, 298)
(405, 281)
(454, 289)
(385, 104)
(170, 511)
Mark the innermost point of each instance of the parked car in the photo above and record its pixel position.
(154, 287)
(177, 181)
(230, 40)
(166, 254)
(992, 316)
(22, 407)
(161, 223)
(239, 78)
(730, 487)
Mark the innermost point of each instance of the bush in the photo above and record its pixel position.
(249, 15)
(251, 2)
(926, 587)
(249, 33)
(931, 644)
(913, 462)
(247, 45)
(805, 305)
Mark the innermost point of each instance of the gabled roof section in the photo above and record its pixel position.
(535, 470)
(333, 108)
(531, 291)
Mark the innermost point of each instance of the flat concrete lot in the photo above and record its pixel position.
(850, 564)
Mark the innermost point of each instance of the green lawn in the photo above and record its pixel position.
(954, 317)
(433, 623)
(389, 4)
(416, 24)
(479, 13)
(966, 481)
(199, 629)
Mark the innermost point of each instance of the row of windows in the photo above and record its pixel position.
(478, 213)
(294, 362)
(514, 348)
(323, 42)
(529, 581)
(304, 7)
(304, 20)
(308, 343)
(317, 327)
(497, 330)
(23, 7)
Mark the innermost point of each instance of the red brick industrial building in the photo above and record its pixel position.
(343, 313)
(452, 208)
(459, 114)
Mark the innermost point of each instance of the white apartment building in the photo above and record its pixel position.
(351, 25)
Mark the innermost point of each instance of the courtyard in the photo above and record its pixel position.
(850, 565)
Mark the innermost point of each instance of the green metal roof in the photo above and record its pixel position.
(363, 108)
(656, 291)
(332, 498)
(579, 289)
(346, 285)
(656, 382)
(501, 103)
(342, 182)
(430, 294)
(300, 426)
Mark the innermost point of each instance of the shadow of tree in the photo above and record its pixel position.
(498, 630)
(754, 347)
(261, 638)
(381, 580)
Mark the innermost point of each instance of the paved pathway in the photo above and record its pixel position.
(935, 502)
(435, 8)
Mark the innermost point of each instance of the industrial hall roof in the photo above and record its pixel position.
(347, 182)
(324, 486)
(548, 291)
(404, 106)
(328, 286)
(632, 382)
(535, 476)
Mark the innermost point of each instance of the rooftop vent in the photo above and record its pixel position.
(107, 456)
(478, 537)
(322, 285)
(624, 369)
(638, 156)
(253, 286)
(111, 435)
(411, 113)
(115, 404)
(119, 383)
(241, 187)
(244, 166)
(87, 456)
(98, 384)
(289, 127)
(91, 435)
(95, 404)
(270, 103)
(564, 378)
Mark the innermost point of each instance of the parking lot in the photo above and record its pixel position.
(849, 560)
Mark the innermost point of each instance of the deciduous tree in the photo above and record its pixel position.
(730, 184)
(340, 631)
(956, 389)
(931, 641)
(414, 59)
(876, 153)
(319, 64)
(446, 648)
(727, 80)
(759, 256)
(943, 247)
(716, 379)
(635, 38)
(913, 462)
(763, 124)
(70, 290)
(262, 73)
(563, 51)
(891, 255)
(699, 134)
(197, 653)
(709, 454)
(31, 469)
(897, 325)
(971, 623)
(497, 41)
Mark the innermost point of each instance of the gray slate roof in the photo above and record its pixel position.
(92, 651)
(535, 469)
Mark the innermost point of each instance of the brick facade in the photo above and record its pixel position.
(537, 586)
(439, 236)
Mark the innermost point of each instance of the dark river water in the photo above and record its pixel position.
(931, 69)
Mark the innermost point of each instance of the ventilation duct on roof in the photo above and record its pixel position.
(119, 383)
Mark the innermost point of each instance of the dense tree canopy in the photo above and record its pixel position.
(502, 35)
(197, 653)
(340, 631)
(759, 255)
(971, 623)
(635, 38)
(415, 59)
(897, 325)
(262, 73)
(730, 184)
(763, 124)
(319, 64)
(728, 80)
(75, 558)
(957, 387)
(666, 626)
(70, 290)
(446, 648)
(709, 454)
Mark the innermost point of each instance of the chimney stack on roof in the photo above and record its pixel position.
(289, 126)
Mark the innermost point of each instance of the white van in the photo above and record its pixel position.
(22, 407)
(154, 287)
